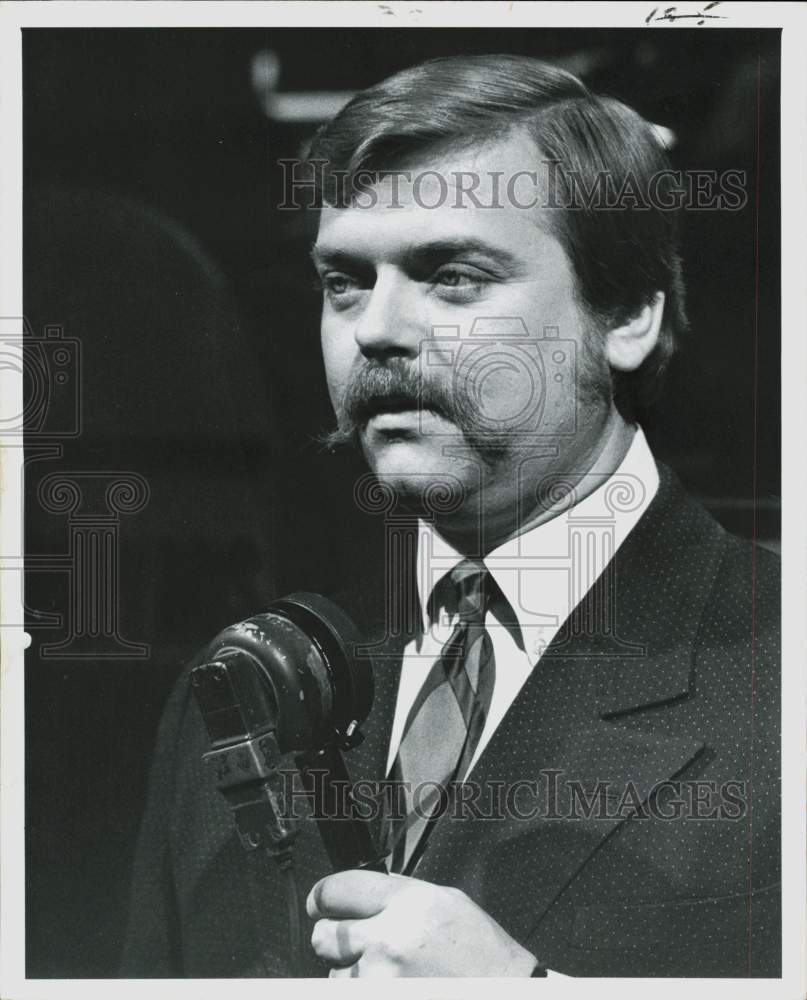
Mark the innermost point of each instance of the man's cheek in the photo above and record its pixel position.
(336, 371)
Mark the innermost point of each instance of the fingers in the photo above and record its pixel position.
(351, 972)
(339, 942)
(366, 970)
(351, 894)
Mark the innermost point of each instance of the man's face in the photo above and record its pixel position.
(449, 307)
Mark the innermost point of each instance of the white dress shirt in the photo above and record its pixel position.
(544, 573)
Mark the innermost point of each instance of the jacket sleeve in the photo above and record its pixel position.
(152, 946)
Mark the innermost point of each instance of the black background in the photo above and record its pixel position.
(151, 235)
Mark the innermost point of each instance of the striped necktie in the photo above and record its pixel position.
(446, 720)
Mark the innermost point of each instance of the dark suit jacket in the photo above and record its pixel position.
(602, 874)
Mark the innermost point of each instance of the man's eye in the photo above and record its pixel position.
(462, 278)
(337, 284)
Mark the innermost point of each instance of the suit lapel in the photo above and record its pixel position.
(553, 811)
(560, 734)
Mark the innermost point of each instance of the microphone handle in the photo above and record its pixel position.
(346, 835)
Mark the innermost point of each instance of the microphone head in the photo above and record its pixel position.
(303, 654)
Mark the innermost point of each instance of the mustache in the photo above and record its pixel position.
(393, 386)
(396, 385)
(401, 384)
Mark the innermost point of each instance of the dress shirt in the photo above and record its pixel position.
(543, 573)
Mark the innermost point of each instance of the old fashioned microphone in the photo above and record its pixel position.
(288, 682)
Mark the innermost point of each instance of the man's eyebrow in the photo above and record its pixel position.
(433, 250)
(326, 255)
(457, 246)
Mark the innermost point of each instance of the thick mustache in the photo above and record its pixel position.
(397, 385)
(390, 387)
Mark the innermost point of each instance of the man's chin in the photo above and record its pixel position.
(401, 457)
(418, 470)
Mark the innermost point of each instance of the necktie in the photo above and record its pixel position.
(446, 720)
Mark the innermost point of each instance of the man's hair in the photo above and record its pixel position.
(621, 256)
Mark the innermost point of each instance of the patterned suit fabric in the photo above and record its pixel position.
(681, 705)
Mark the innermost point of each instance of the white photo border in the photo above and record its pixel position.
(792, 18)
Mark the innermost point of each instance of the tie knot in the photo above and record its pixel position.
(470, 580)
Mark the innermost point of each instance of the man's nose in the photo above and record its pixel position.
(389, 324)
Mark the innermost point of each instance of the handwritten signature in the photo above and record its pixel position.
(671, 14)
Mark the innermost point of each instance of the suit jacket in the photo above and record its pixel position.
(627, 822)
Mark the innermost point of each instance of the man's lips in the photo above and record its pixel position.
(396, 406)
(404, 418)
(389, 407)
(394, 417)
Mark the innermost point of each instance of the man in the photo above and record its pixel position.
(581, 703)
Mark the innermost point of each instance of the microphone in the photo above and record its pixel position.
(288, 681)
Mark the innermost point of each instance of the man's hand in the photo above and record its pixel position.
(369, 924)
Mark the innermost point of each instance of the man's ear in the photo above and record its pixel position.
(628, 345)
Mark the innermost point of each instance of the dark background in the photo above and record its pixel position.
(151, 236)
